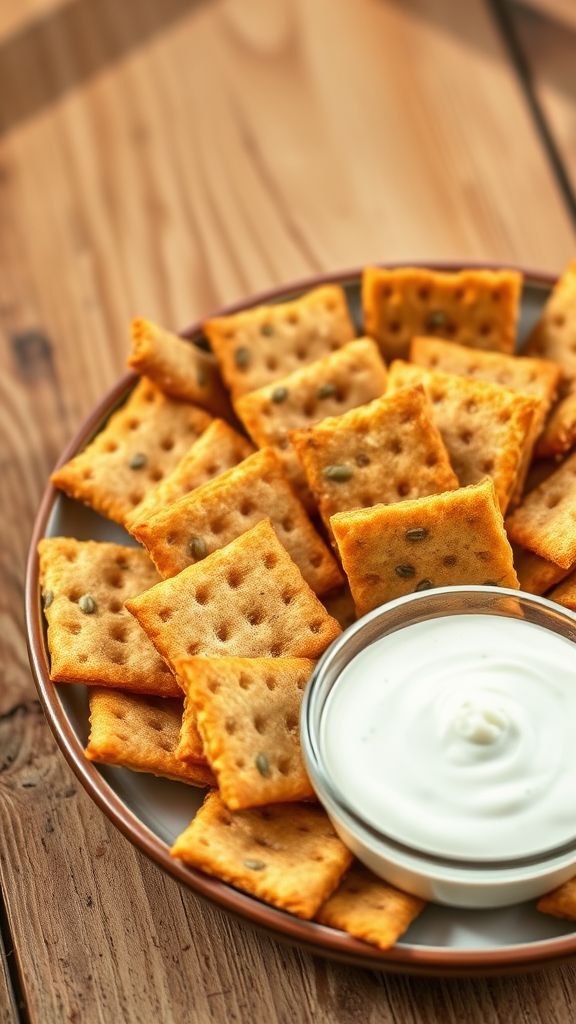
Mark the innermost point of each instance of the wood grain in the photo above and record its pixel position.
(161, 159)
(8, 1011)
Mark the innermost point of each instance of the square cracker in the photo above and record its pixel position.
(536, 575)
(247, 599)
(178, 367)
(369, 909)
(351, 376)
(248, 716)
(565, 594)
(267, 342)
(554, 336)
(487, 429)
(213, 515)
(104, 646)
(386, 451)
(216, 450)
(139, 445)
(545, 522)
(476, 308)
(444, 540)
(140, 733)
(287, 855)
(561, 902)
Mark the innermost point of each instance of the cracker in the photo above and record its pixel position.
(287, 855)
(220, 511)
(554, 336)
(561, 902)
(102, 645)
(140, 733)
(388, 450)
(178, 367)
(369, 909)
(216, 450)
(536, 575)
(139, 445)
(565, 594)
(248, 599)
(476, 308)
(345, 379)
(267, 342)
(190, 747)
(559, 434)
(248, 716)
(444, 540)
(340, 606)
(545, 522)
(487, 429)
(540, 470)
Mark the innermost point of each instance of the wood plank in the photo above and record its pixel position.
(164, 169)
(8, 1011)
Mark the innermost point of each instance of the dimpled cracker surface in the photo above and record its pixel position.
(565, 594)
(536, 575)
(369, 909)
(248, 599)
(386, 451)
(267, 342)
(487, 429)
(546, 521)
(216, 450)
(102, 645)
(139, 445)
(140, 733)
(287, 855)
(178, 367)
(440, 541)
(561, 902)
(248, 715)
(476, 308)
(215, 514)
(345, 379)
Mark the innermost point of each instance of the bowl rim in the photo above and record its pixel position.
(308, 935)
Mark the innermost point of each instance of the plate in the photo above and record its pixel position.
(151, 812)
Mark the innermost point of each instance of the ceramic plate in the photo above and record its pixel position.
(151, 812)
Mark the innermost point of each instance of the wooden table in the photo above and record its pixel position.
(163, 157)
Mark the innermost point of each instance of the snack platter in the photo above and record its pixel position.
(151, 811)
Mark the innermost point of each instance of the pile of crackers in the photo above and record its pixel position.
(283, 483)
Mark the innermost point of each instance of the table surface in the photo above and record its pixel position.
(163, 157)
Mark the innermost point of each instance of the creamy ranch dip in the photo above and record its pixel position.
(458, 736)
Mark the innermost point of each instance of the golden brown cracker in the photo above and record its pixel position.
(351, 376)
(139, 445)
(140, 733)
(368, 908)
(190, 747)
(213, 515)
(561, 902)
(287, 855)
(487, 429)
(565, 594)
(476, 308)
(554, 336)
(443, 540)
(386, 451)
(248, 599)
(178, 367)
(248, 715)
(262, 344)
(545, 522)
(91, 637)
(536, 575)
(219, 448)
(559, 434)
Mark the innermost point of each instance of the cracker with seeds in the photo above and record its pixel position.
(476, 308)
(561, 902)
(213, 515)
(190, 746)
(487, 429)
(443, 540)
(536, 575)
(262, 344)
(545, 522)
(140, 733)
(139, 445)
(178, 367)
(91, 637)
(248, 599)
(351, 376)
(219, 448)
(386, 451)
(369, 909)
(287, 855)
(248, 716)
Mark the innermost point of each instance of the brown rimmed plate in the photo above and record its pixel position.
(150, 812)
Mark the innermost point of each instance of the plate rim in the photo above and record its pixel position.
(308, 935)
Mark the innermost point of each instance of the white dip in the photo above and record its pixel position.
(458, 736)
